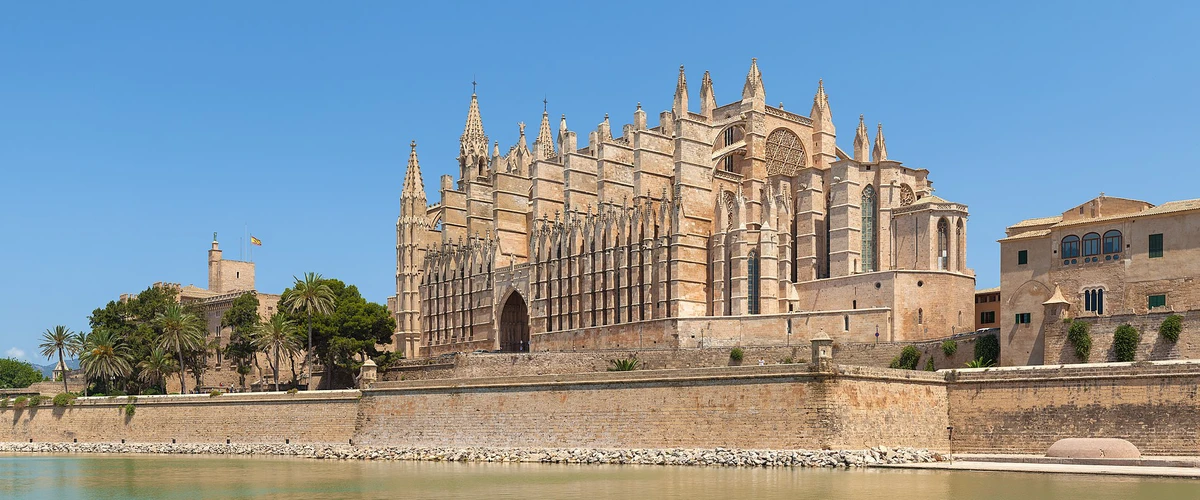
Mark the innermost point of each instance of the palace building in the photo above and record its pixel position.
(739, 224)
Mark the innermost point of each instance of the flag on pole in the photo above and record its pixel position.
(255, 241)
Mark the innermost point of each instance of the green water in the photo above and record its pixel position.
(150, 476)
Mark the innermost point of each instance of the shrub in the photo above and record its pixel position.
(1079, 337)
(737, 354)
(150, 391)
(4, 402)
(293, 390)
(787, 360)
(987, 348)
(978, 363)
(65, 399)
(1171, 327)
(929, 365)
(20, 402)
(623, 365)
(37, 400)
(215, 393)
(949, 347)
(907, 360)
(130, 410)
(1125, 342)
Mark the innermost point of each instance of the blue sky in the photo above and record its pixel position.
(129, 132)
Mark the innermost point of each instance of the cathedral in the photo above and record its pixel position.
(739, 224)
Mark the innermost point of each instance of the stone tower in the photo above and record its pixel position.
(411, 230)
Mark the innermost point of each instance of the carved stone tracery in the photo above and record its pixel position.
(785, 153)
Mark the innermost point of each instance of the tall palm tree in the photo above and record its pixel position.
(310, 296)
(105, 356)
(57, 340)
(155, 368)
(75, 347)
(276, 335)
(180, 331)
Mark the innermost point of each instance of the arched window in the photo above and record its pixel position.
(1112, 242)
(870, 239)
(1091, 244)
(752, 276)
(960, 244)
(1069, 247)
(906, 195)
(1093, 300)
(785, 153)
(846, 322)
(920, 316)
(943, 235)
(727, 163)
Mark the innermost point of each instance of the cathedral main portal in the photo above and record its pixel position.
(514, 325)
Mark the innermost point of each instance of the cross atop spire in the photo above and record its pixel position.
(473, 84)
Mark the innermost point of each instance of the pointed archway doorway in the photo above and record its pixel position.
(514, 324)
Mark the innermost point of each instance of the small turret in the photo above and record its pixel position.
(543, 146)
(880, 151)
(473, 145)
(639, 118)
(680, 107)
(708, 98)
(753, 88)
(862, 143)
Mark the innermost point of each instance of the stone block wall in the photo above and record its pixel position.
(1151, 347)
(326, 417)
(744, 407)
(1026, 409)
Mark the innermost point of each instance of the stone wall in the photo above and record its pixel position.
(744, 407)
(324, 417)
(1026, 409)
(1151, 348)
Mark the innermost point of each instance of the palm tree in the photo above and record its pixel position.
(57, 340)
(277, 334)
(75, 347)
(155, 368)
(105, 356)
(311, 296)
(180, 331)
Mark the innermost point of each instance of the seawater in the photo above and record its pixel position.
(168, 476)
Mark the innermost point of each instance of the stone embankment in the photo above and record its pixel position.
(706, 457)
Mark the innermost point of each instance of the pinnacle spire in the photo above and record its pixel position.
(681, 96)
(543, 146)
(862, 143)
(820, 114)
(413, 184)
(880, 151)
(753, 88)
(708, 98)
(474, 141)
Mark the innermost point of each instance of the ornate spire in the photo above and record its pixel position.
(821, 116)
(681, 96)
(880, 151)
(413, 184)
(543, 146)
(753, 89)
(708, 98)
(473, 143)
(862, 143)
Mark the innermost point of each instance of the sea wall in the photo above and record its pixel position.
(1026, 409)
(781, 407)
(316, 417)
(1154, 405)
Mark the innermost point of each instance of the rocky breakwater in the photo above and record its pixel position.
(720, 457)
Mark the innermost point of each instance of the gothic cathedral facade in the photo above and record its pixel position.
(740, 224)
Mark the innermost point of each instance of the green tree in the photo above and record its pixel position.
(277, 335)
(180, 331)
(987, 349)
(17, 374)
(349, 332)
(242, 318)
(55, 341)
(105, 357)
(1125, 342)
(310, 296)
(154, 369)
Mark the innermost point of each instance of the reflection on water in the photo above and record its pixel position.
(149, 476)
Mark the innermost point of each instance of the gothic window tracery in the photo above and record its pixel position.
(870, 241)
(943, 235)
(752, 275)
(906, 195)
(785, 153)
